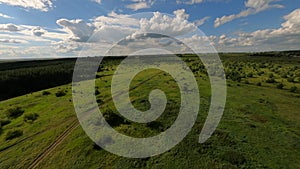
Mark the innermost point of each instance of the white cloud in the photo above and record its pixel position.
(201, 21)
(15, 41)
(5, 16)
(38, 31)
(261, 5)
(287, 37)
(138, 5)
(66, 47)
(201, 44)
(9, 27)
(116, 19)
(189, 2)
(97, 1)
(42, 5)
(253, 7)
(167, 25)
(110, 29)
(79, 30)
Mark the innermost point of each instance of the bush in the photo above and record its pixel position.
(293, 89)
(247, 82)
(29, 118)
(280, 86)
(4, 122)
(271, 80)
(13, 134)
(258, 84)
(260, 73)
(14, 112)
(46, 93)
(271, 75)
(100, 101)
(250, 75)
(234, 157)
(97, 92)
(112, 118)
(284, 75)
(60, 93)
(291, 79)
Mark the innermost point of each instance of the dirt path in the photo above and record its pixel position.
(71, 128)
(52, 147)
(34, 135)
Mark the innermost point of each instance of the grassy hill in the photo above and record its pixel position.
(260, 127)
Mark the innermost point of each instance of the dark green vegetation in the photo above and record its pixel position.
(13, 134)
(19, 78)
(260, 127)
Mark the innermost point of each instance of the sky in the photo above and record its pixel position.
(64, 28)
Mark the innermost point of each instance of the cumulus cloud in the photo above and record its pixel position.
(167, 25)
(114, 27)
(139, 4)
(5, 16)
(42, 5)
(201, 21)
(190, 2)
(38, 31)
(64, 47)
(15, 41)
(107, 30)
(97, 1)
(9, 27)
(201, 43)
(287, 37)
(116, 19)
(253, 7)
(80, 30)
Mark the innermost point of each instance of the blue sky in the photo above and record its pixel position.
(55, 28)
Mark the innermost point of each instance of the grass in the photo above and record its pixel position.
(260, 127)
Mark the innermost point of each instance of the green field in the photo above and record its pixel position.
(260, 127)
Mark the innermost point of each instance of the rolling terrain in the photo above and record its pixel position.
(260, 127)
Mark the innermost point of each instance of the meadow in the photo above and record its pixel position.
(260, 127)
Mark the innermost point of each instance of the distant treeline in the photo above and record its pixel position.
(19, 78)
(23, 77)
(294, 53)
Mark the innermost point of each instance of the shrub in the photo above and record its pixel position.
(291, 79)
(14, 112)
(260, 73)
(293, 89)
(271, 80)
(100, 101)
(280, 86)
(247, 82)
(13, 134)
(29, 118)
(250, 75)
(60, 93)
(112, 118)
(271, 75)
(284, 75)
(96, 146)
(45, 93)
(258, 84)
(4, 122)
(234, 157)
(97, 92)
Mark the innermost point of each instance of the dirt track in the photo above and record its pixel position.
(43, 155)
